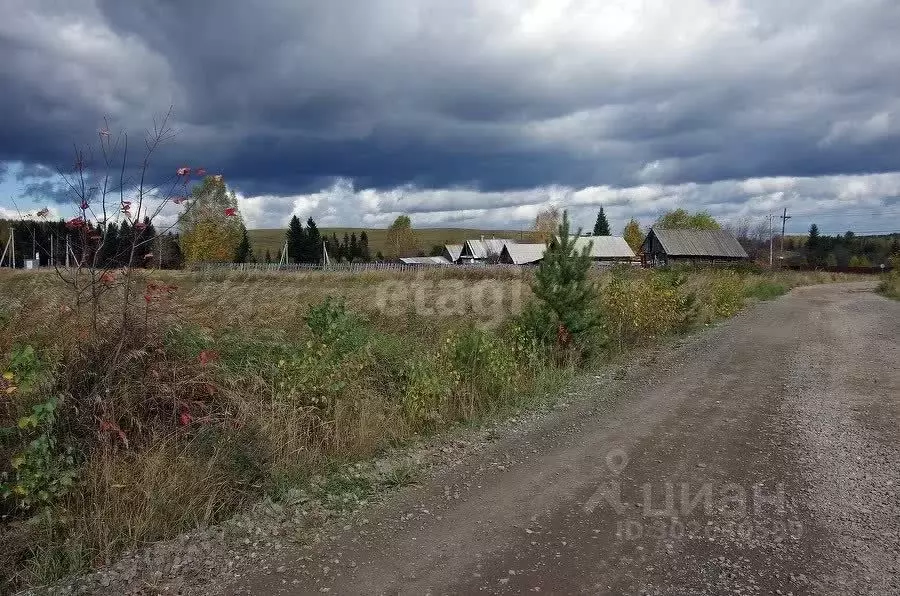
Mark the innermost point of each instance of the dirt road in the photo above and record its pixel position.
(761, 457)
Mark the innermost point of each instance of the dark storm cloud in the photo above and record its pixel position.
(287, 96)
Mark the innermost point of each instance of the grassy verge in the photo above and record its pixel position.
(238, 386)
(890, 285)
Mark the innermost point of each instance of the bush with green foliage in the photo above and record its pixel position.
(41, 469)
(332, 323)
(890, 285)
(45, 470)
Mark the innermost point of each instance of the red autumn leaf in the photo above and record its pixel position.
(148, 298)
(84, 205)
(207, 356)
(106, 426)
(75, 223)
(185, 418)
(108, 277)
(231, 211)
(140, 226)
(183, 171)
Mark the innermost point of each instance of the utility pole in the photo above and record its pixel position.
(6, 248)
(771, 241)
(784, 219)
(284, 250)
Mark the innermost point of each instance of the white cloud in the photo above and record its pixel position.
(826, 199)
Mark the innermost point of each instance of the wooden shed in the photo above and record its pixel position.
(664, 247)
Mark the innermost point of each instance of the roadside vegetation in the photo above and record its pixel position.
(890, 285)
(175, 399)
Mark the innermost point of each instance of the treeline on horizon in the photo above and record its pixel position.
(46, 241)
(308, 244)
(843, 250)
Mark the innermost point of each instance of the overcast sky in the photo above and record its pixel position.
(471, 113)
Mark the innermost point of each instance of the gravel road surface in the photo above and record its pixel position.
(760, 457)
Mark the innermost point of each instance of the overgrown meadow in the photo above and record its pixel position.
(210, 390)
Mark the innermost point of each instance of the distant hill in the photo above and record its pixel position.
(273, 240)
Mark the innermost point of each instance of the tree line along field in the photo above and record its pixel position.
(234, 386)
(272, 240)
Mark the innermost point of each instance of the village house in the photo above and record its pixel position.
(484, 250)
(664, 247)
(452, 252)
(425, 261)
(606, 249)
(603, 249)
(522, 254)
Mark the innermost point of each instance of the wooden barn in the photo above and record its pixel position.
(664, 247)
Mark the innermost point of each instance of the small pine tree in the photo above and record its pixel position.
(244, 253)
(345, 248)
(814, 246)
(812, 242)
(313, 244)
(296, 240)
(601, 227)
(364, 247)
(354, 247)
(565, 314)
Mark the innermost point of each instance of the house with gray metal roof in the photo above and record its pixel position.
(522, 254)
(479, 251)
(611, 249)
(601, 249)
(425, 261)
(452, 252)
(664, 247)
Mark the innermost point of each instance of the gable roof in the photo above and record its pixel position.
(453, 251)
(425, 261)
(698, 243)
(522, 254)
(480, 249)
(605, 247)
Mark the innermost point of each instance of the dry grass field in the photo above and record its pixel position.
(223, 387)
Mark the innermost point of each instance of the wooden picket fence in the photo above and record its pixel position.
(337, 267)
(354, 268)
